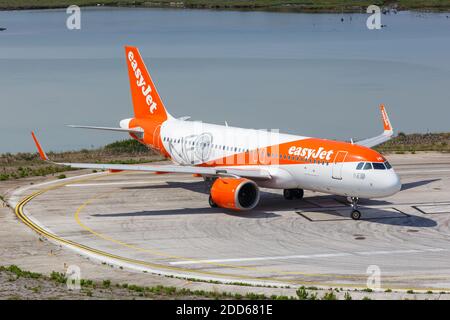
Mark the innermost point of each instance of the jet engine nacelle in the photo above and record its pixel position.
(235, 193)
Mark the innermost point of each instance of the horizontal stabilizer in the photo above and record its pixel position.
(134, 130)
(137, 131)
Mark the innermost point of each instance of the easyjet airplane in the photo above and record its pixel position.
(240, 161)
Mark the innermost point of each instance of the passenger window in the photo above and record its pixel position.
(388, 165)
(360, 166)
(368, 166)
(379, 166)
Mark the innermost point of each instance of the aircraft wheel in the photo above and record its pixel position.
(299, 193)
(356, 215)
(288, 194)
(211, 202)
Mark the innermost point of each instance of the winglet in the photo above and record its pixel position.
(38, 146)
(386, 122)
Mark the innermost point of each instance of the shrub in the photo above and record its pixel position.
(58, 277)
(129, 146)
(329, 296)
(20, 273)
(255, 296)
(86, 283)
(302, 294)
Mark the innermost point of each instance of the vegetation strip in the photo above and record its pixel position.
(337, 6)
(94, 289)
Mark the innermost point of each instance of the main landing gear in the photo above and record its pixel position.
(290, 194)
(356, 214)
(212, 204)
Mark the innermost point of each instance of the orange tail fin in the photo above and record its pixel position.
(146, 101)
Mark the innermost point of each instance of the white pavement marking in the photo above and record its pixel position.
(422, 171)
(310, 256)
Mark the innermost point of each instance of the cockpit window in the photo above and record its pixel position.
(368, 166)
(378, 166)
(360, 166)
(388, 165)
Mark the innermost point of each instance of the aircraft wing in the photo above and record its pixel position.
(385, 136)
(213, 171)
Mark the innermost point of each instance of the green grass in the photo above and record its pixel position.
(411, 143)
(329, 296)
(58, 277)
(20, 273)
(276, 5)
(129, 146)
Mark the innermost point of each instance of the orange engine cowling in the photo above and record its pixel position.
(235, 193)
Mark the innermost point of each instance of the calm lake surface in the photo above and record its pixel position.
(307, 74)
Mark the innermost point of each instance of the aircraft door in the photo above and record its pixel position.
(338, 164)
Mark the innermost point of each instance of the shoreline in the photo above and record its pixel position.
(240, 7)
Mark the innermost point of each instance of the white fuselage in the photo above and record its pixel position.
(197, 143)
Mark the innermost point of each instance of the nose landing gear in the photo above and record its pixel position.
(356, 214)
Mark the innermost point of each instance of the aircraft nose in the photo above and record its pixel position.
(393, 183)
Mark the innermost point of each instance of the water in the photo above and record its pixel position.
(307, 74)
